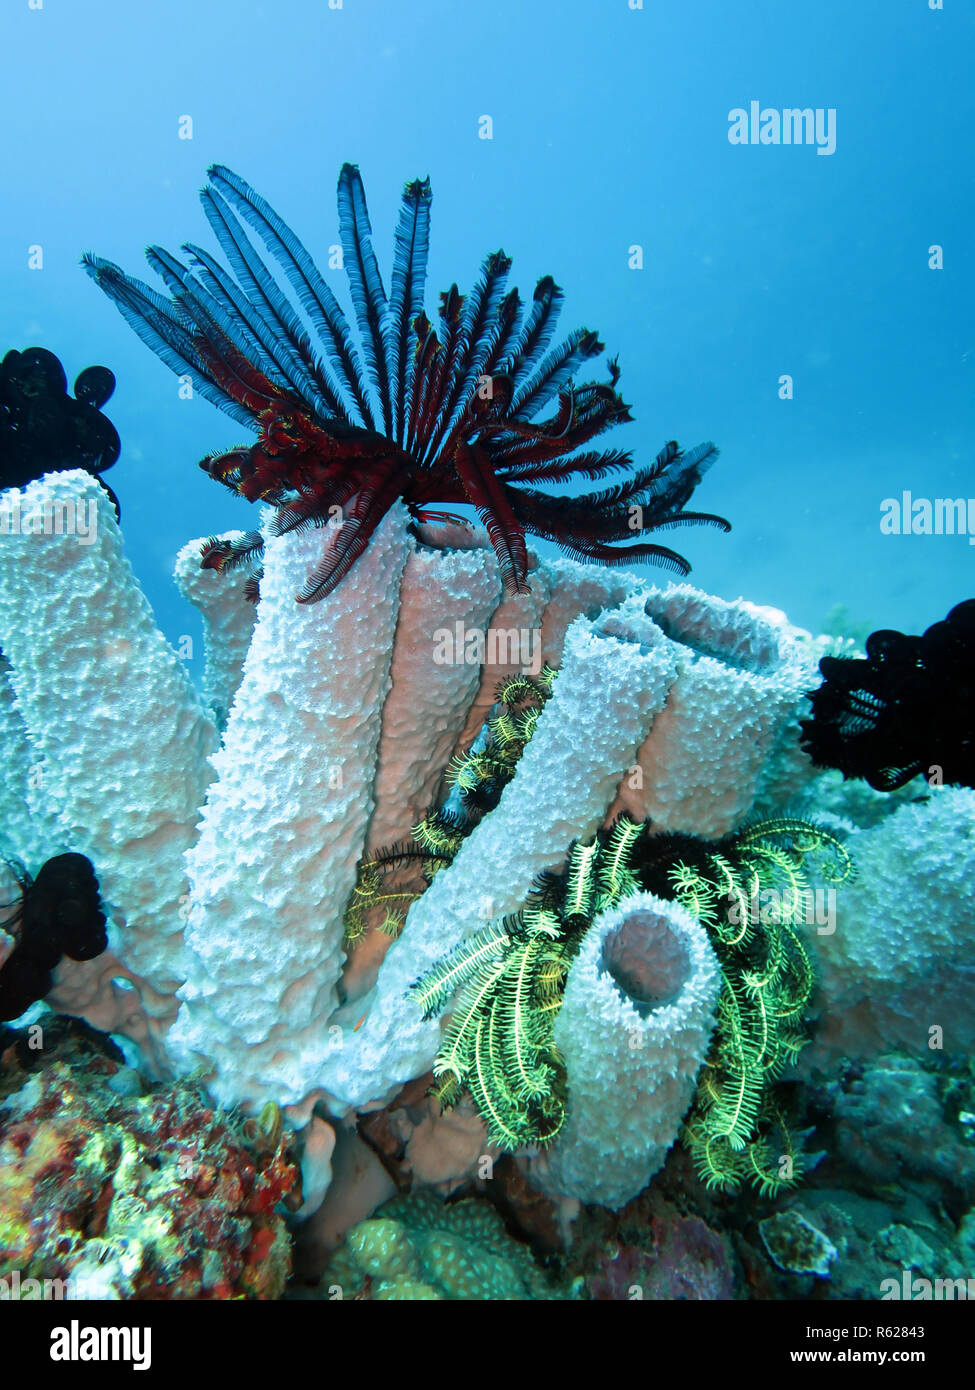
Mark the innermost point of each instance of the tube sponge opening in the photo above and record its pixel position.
(648, 960)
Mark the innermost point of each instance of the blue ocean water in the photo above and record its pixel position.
(610, 131)
(807, 306)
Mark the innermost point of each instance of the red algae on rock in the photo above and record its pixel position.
(131, 1195)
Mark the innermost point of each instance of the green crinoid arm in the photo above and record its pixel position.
(546, 679)
(738, 929)
(717, 1165)
(736, 1107)
(735, 1098)
(447, 1090)
(694, 892)
(615, 879)
(432, 990)
(503, 729)
(803, 838)
(439, 832)
(539, 920)
(514, 690)
(579, 886)
(461, 772)
(798, 976)
(457, 1048)
(761, 1171)
(526, 724)
(506, 1123)
(527, 1079)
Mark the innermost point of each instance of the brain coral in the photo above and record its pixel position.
(418, 1247)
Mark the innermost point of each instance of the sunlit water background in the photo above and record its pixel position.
(610, 131)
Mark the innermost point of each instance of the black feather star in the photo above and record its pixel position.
(43, 429)
(908, 708)
(435, 414)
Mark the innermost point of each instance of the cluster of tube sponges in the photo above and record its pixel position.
(324, 735)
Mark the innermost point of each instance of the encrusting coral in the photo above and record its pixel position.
(129, 1194)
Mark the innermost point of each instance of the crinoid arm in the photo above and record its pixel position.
(225, 555)
(750, 891)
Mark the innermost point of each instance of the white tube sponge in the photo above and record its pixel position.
(285, 823)
(429, 699)
(741, 676)
(118, 728)
(604, 699)
(576, 589)
(228, 622)
(511, 644)
(21, 834)
(452, 592)
(902, 957)
(633, 1031)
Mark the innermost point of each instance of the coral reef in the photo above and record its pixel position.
(482, 891)
(130, 1194)
(315, 772)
